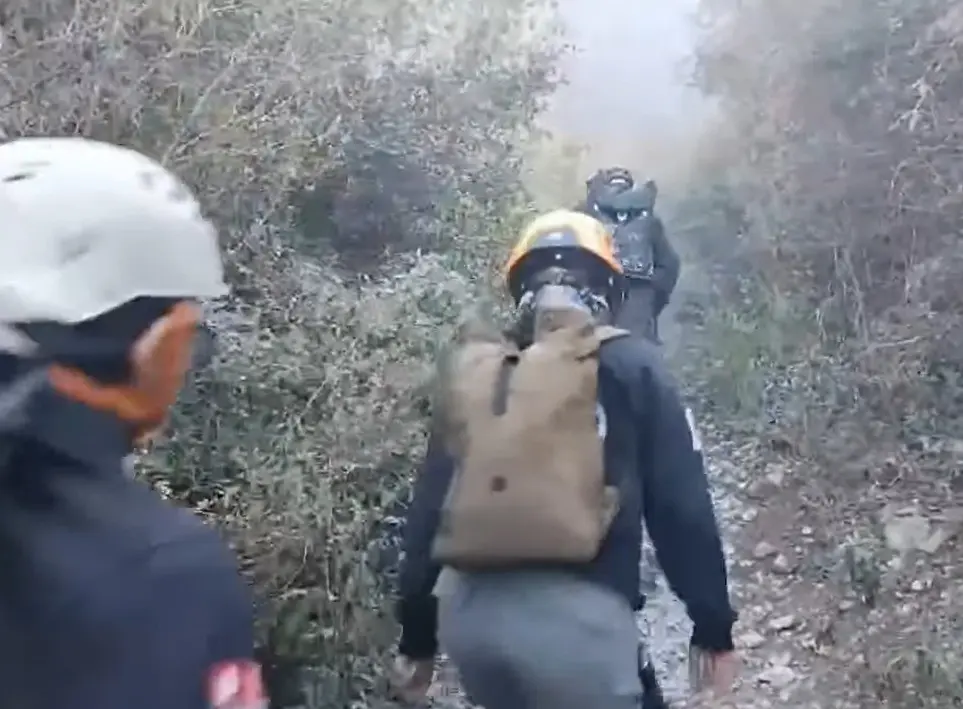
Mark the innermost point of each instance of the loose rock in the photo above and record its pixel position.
(764, 550)
(782, 623)
(750, 640)
(778, 677)
(782, 565)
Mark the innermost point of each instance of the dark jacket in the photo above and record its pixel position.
(666, 262)
(650, 454)
(110, 597)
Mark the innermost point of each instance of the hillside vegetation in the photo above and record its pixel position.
(365, 160)
(346, 148)
(828, 201)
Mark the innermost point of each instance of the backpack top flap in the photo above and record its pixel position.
(469, 383)
(609, 332)
(634, 246)
(530, 486)
(565, 325)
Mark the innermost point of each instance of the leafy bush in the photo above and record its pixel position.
(839, 124)
(837, 144)
(376, 117)
(326, 422)
(336, 142)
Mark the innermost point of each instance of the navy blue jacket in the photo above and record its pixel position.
(110, 597)
(651, 456)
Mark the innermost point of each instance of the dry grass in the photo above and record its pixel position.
(829, 202)
(330, 139)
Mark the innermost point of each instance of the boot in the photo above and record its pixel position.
(651, 691)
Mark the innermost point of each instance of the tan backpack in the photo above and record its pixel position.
(524, 427)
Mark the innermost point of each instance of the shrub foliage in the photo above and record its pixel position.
(331, 140)
(833, 191)
(838, 126)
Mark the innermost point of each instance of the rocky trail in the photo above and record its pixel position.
(748, 483)
(773, 604)
(775, 608)
(848, 594)
(843, 562)
(775, 634)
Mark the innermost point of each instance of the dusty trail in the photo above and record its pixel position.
(773, 636)
(648, 121)
(664, 621)
(626, 100)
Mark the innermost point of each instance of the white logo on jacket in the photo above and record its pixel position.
(601, 421)
(693, 431)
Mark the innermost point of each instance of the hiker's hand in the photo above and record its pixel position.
(411, 679)
(715, 670)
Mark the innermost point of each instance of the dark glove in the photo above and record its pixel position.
(715, 638)
(418, 617)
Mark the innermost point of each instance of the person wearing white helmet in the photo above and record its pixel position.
(110, 597)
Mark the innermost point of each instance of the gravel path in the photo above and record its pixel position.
(664, 621)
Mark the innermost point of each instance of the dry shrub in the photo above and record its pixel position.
(376, 128)
(314, 456)
(385, 113)
(841, 273)
(555, 171)
(841, 121)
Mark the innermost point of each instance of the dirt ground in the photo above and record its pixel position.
(845, 601)
(849, 594)
(844, 563)
(843, 556)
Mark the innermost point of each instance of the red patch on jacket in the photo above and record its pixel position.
(236, 684)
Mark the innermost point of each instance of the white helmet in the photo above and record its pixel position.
(89, 226)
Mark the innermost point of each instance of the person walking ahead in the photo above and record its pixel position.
(550, 447)
(110, 597)
(650, 263)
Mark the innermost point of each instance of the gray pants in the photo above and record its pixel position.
(541, 640)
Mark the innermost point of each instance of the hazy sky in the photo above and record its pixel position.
(627, 93)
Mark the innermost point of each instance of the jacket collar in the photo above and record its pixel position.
(72, 430)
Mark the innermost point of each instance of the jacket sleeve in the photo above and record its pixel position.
(667, 263)
(417, 608)
(679, 513)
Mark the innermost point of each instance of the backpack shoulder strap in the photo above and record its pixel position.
(476, 340)
(477, 329)
(609, 332)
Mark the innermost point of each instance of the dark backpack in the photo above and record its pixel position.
(633, 244)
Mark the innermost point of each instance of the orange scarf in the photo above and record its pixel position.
(160, 360)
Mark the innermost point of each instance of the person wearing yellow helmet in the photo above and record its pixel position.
(569, 249)
(526, 635)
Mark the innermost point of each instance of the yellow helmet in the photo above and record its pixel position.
(566, 239)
